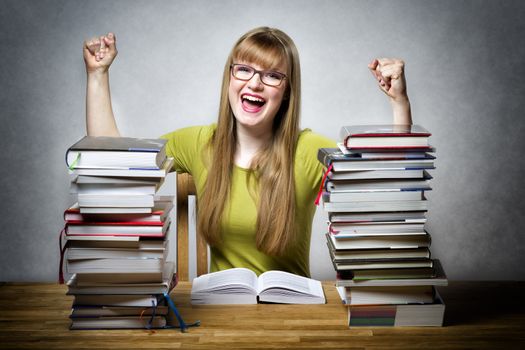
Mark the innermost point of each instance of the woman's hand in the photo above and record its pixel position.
(390, 75)
(99, 53)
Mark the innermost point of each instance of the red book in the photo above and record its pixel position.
(385, 137)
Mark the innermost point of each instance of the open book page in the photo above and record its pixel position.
(233, 286)
(284, 287)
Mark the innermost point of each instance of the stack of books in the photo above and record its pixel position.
(374, 192)
(116, 234)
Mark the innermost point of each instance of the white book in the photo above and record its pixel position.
(114, 266)
(439, 278)
(115, 242)
(116, 152)
(403, 217)
(376, 254)
(112, 189)
(366, 196)
(162, 172)
(377, 174)
(376, 206)
(407, 164)
(120, 322)
(121, 278)
(414, 315)
(409, 264)
(126, 201)
(380, 242)
(169, 281)
(377, 185)
(115, 311)
(159, 212)
(114, 180)
(85, 229)
(386, 295)
(384, 226)
(242, 286)
(115, 210)
(136, 300)
(113, 253)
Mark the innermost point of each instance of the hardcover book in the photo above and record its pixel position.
(385, 136)
(116, 153)
(341, 162)
(416, 315)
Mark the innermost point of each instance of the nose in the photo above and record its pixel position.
(255, 83)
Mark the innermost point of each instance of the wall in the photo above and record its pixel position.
(465, 72)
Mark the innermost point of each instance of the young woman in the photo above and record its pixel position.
(256, 172)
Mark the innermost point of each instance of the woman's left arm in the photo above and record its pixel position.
(390, 76)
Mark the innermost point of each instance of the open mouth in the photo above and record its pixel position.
(252, 102)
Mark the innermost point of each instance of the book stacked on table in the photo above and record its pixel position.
(116, 234)
(374, 193)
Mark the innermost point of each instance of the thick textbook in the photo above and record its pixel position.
(141, 229)
(412, 277)
(398, 315)
(116, 153)
(377, 174)
(377, 185)
(140, 173)
(343, 162)
(120, 322)
(159, 212)
(116, 311)
(376, 206)
(379, 242)
(386, 295)
(76, 287)
(115, 266)
(384, 136)
(135, 300)
(242, 286)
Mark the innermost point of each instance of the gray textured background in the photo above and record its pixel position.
(465, 69)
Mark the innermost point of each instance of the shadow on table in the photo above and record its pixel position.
(479, 302)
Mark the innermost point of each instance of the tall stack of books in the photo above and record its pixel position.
(116, 234)
(374, 193)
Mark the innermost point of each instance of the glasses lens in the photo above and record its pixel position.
(242, 72)
(272, 78)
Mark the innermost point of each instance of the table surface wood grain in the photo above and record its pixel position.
(478, 315)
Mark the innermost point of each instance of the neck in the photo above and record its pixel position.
(249, 142)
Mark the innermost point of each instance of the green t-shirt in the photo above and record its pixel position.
(238, 225)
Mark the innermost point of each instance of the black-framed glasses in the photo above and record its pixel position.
(268, 77)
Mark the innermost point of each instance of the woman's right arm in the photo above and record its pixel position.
(99, 53)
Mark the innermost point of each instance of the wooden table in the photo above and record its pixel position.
(479, 315)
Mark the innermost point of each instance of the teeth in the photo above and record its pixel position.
(253, 98)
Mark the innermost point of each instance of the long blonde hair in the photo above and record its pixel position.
(273, 166)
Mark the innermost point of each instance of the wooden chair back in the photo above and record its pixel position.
(185, 188)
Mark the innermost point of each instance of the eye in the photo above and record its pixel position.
(274, 75)
(244, 69)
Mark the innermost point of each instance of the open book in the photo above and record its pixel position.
(242, 286)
